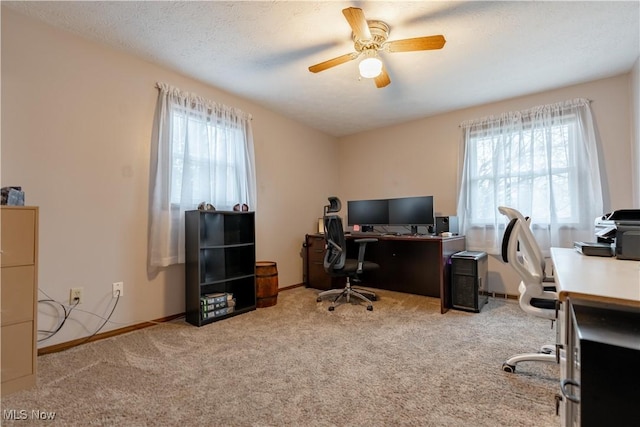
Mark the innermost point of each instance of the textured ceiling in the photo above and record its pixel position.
(262, 50)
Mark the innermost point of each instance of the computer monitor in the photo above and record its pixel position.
(411, 211)
(367, 212)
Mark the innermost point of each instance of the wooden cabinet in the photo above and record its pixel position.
(19, 240)
(220, 259)
(315, 275)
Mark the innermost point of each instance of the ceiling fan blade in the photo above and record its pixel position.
(383, 79)
(333, 62)
(418, 43)
(357, 22)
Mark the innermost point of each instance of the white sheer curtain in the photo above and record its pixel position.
(201, 152)
(542, 162)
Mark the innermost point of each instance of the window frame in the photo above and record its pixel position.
(177, 114)
(568, 128)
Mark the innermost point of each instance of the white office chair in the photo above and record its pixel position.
(521, 251)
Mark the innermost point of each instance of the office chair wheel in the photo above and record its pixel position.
(370, 307)
(331, 308)
(508, 368)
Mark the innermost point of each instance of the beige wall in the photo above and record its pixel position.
(76, 130)
(421, 157)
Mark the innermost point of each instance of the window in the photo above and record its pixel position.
(540, 162)
(201, 152)
(536, 161)
(213, 152)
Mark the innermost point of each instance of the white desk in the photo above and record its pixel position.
(613, 287)
(599, 279)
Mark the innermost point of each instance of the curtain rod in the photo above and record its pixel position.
(562, 104)
(199, 100)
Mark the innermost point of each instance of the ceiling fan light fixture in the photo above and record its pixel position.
(370, 67)
(369, 38)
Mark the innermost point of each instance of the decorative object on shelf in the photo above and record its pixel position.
(204, 206)
(244, 207)
(12, 196)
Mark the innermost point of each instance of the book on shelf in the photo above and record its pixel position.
(216, 297)
(216, 313)
(206, 305)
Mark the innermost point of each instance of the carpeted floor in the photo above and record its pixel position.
(297, 364)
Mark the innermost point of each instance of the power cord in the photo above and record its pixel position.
(105, 320)
(51, 301)
(69, 309)
(64, 318)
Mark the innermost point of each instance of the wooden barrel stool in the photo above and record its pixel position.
(266, 283)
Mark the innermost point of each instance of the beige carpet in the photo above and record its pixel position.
(297, 364)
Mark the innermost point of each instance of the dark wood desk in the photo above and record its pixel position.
(416, 265)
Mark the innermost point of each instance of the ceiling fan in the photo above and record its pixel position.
(370, 37)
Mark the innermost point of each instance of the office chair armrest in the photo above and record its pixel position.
(367, 240)
(361, 249)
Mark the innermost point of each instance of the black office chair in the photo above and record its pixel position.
(336, 262)
(538, 294)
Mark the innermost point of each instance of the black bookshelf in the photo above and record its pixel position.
(220, 259)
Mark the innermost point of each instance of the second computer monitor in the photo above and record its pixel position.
(412, 211)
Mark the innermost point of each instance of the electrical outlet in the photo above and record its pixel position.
(118, 289)
(75, 296)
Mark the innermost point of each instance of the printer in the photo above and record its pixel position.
(622, 229)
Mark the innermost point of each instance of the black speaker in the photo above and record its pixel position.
(469, 274)
(446, 224)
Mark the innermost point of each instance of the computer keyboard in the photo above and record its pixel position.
(372, 234)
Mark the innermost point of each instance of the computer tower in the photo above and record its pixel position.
(446, 224)
(469, 275)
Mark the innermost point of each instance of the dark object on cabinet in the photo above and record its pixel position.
(413, 264)
(12, 196)
(446, 224)
(469, 275)
(220, 259)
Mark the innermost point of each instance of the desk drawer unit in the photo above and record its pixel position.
(601, 383)
(316, 276)
(18, 274)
